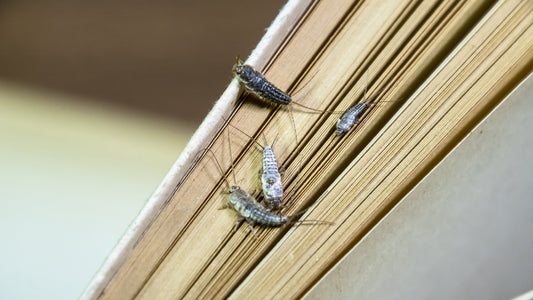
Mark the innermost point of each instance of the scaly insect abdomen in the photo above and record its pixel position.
(348, 120)
(253, 211)
(271, 179)
(254, 82)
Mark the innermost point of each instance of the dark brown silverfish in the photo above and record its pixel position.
(254, 82)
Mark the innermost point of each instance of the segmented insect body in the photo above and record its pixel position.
(254, 82)
(247, 207)
(348, 120)
(271, 179)
(254, 213)
(251, 210)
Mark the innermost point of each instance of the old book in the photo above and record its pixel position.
(435, 68)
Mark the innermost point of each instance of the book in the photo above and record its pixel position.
(436, 69)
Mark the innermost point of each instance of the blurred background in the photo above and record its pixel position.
(97, 100)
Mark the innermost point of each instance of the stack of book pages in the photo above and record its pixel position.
(435, 69)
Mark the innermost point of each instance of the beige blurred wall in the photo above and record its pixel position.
(73, 177)
(171, 58)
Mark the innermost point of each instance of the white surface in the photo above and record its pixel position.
(466, 232)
